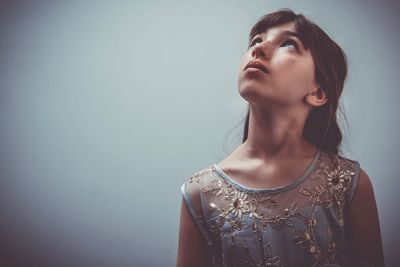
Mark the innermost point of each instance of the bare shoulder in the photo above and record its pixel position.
(365, 187)
(363, 205)
(364, 218)
(192, 246)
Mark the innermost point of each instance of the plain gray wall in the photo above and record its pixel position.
(107, 107)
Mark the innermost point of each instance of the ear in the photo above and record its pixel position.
(316, 97)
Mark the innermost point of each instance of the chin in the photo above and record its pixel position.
(250, 93)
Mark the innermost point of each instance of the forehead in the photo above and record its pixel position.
(275, 30)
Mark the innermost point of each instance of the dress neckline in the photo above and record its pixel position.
(297, 181)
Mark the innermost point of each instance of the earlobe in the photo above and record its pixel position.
(316, 97)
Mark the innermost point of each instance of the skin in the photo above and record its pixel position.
(280, 102)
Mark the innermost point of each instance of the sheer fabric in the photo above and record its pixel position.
(299, 224)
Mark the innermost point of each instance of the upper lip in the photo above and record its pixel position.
(257, 65)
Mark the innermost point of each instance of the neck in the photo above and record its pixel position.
(273, 135)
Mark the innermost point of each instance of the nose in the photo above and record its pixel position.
(261, 50)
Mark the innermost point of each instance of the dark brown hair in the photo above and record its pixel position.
(321, 127)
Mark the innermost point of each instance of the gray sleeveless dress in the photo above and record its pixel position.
(300, 224)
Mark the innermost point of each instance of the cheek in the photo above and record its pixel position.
(288, 64)
(293, 70)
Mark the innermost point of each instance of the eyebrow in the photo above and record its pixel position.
(295, 34)
(290, 33)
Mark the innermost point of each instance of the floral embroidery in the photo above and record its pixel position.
(283, 218)
(215, 187)
(239, 204)
(196, 176)
(339, 182)
(330, 181)
(265, 200)
(333, 191)
(268, 259)
(253, 213)
(307, 239)
(237, 224)
(222, 213)
(315, 194)
(332, 254)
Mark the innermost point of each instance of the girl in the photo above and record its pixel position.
(285, 196)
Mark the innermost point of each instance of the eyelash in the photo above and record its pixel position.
(284, 42)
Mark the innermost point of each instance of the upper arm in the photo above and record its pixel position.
(192, 248)
(364, 230)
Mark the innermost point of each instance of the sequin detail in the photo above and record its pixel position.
(236, 216)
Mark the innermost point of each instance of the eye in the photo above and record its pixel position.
(291, 42)
(254, 41)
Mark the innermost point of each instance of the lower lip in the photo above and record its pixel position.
(254, 69)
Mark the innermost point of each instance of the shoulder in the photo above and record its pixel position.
(364, 184)
(342, 171)
(364, 218)
(360, 186)
(351, 170)
(201, 174)
(194, 236)
(193, 198)
(364, 192)
(197, 179)
(348, 164)
(191, 189)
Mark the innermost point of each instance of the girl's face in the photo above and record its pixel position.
(290, 68)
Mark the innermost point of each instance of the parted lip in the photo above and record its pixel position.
(257, 65)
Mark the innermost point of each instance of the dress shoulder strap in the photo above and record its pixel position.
(192, 196)
(351, 169)
(339, 178)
